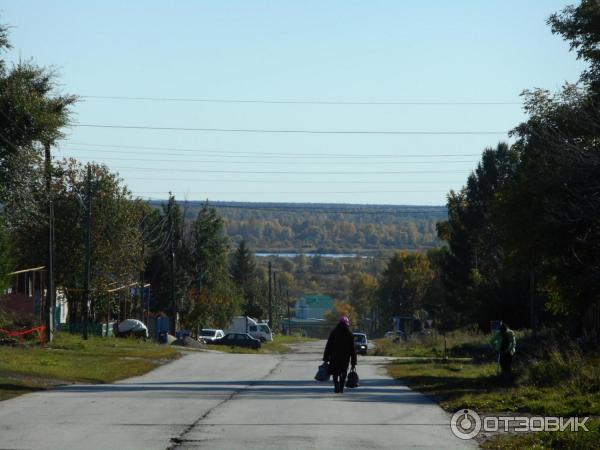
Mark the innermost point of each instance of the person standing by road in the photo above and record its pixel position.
(340, 352)
(505, 344)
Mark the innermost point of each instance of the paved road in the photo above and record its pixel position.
(224, 401)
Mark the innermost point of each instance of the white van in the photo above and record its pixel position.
(244, 324)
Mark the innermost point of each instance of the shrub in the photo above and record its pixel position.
(566, 366)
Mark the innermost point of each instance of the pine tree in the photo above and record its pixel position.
(243, 272)
(210, 247)
(243, 267)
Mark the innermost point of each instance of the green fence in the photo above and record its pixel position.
(94, 329)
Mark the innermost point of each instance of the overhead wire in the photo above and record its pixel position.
(202, 161)
(249, 154)
(302, 102)
(287, 181)
(299, 192)
(293, 131)
(289, 172)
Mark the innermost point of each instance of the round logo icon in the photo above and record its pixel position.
(465, 424)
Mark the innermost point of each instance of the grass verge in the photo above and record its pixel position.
(563, 440)
(70, 359)
(458, 344)
(558, 382)
(457, 385)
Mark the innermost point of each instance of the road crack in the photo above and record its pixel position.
(177, 441)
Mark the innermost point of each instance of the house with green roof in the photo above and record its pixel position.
(313, 306)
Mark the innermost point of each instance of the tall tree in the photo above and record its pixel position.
(243, 266)
(32, 115)
(580, 26)
(114, 233)
(554, 203)
(403, 286)
(210, 247)
(364, 298)
(166, 231)
(213, 297)
(480, 281)
(243, 273)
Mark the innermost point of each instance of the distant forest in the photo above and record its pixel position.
(326, 228)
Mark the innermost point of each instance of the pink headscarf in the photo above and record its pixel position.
(344, 320)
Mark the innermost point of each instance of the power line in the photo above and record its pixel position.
(289, 172)
(299, 102)
(292, 192)
(287, 181)
(202, 161)
(283, 131)
(232, 154)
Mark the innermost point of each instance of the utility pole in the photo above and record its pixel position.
(172, 264)
(108, 294)
(270, 299)
(274, 306)
(142, 281)
(287, 295)
(49, 307)
(280, 299)
(88, 258)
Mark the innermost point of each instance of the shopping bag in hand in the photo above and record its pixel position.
(323, 372)
(353, 380)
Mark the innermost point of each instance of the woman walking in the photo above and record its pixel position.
(340, 351)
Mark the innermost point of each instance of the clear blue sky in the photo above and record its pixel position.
(375, 51)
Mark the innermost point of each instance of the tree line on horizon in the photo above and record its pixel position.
(332, 228)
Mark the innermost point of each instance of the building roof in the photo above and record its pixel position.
(319, 301)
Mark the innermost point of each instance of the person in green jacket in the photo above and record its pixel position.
(505, 343)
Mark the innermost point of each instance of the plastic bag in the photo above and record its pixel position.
(323, 372)
(352, 381)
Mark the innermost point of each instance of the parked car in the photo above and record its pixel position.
(244, 324)
(360, 343)
(395, 336)
(238, 340)
(209, 335)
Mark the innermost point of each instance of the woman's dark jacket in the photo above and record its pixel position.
(340, 350)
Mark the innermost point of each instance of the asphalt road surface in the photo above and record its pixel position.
(228, 401)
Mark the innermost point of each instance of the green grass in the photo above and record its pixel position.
(281, 343)
(477, 386)
(552, 381)
(71, 359)
(458, 344)
(564, 440)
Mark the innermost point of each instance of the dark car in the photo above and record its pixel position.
(360, 343)
(238, 340)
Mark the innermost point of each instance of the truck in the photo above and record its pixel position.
(245, 324)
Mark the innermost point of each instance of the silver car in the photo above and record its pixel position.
(211, 334)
